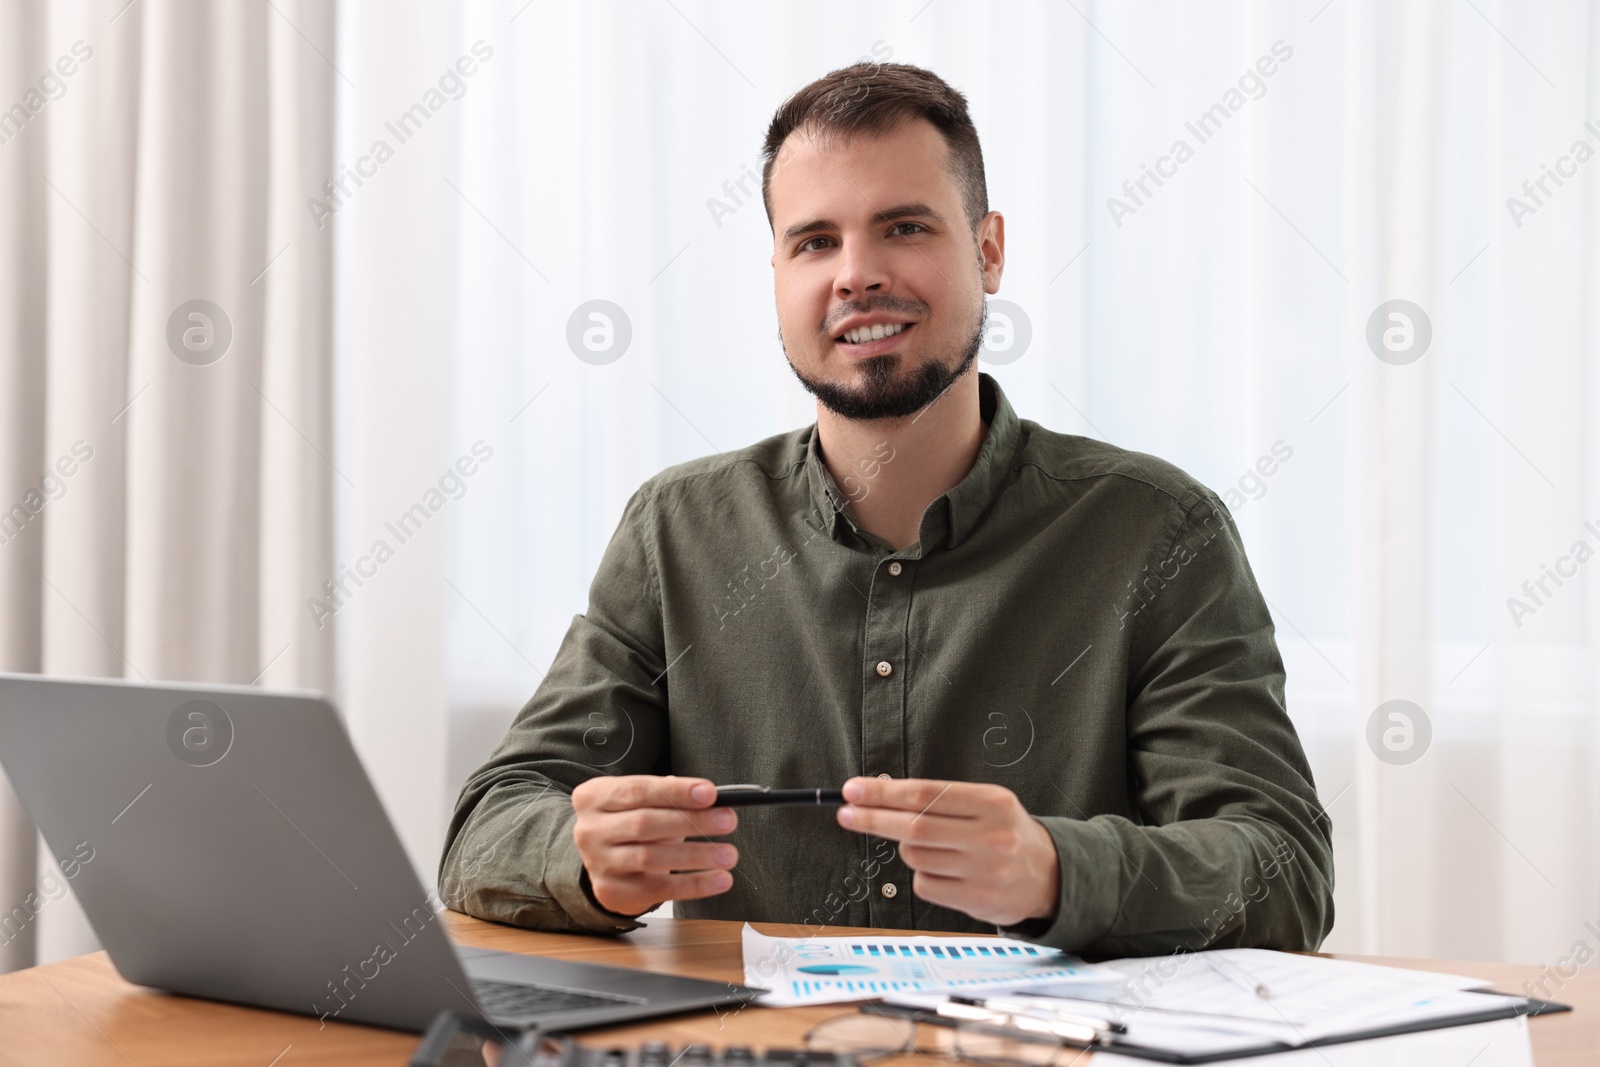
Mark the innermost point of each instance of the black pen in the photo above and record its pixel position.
(742, 796)
(1073, 1029)
(1022, 1007)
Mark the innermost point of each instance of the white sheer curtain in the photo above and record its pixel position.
(165, 502)
(1350, 154)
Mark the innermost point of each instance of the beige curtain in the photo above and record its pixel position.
(166, 446)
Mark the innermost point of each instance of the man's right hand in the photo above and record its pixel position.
(631, 833)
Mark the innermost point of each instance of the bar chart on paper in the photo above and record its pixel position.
(822, 970)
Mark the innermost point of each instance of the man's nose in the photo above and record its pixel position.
(862, 271)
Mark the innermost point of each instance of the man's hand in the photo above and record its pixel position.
(974, 847)
(631, 832)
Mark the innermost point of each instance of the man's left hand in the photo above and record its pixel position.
(974, 847)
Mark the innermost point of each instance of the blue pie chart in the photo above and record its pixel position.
(837, 969)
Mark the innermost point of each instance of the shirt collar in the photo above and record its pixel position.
(951, 518)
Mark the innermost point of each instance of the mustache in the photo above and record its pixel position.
(895, 304)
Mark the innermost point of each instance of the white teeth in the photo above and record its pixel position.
(862, 334)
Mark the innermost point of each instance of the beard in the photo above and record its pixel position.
(884, 393)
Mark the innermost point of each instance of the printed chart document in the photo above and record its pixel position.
(825, 970)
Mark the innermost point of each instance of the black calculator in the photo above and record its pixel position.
(660, 1054)
(456, 1040)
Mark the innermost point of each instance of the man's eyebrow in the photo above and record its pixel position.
(915, 209)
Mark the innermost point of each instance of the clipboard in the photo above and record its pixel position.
(1529, 1006)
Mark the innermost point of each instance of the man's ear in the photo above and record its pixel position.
(991, 238)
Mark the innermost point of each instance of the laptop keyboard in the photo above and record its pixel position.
(514, 999)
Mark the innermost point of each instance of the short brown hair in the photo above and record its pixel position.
(875, 98)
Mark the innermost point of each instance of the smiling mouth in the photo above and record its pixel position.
(866, 335)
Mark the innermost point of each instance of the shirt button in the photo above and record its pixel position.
(883, 774)
(895, 568)
(885, 668)
(889, 890)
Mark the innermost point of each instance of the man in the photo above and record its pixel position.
(1041, 662)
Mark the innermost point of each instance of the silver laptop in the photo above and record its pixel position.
(226, 843)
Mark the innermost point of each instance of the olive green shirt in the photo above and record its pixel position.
(1077, 623)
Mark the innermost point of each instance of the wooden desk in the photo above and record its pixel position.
(79, 1012)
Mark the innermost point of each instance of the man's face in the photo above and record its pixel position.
(871, 239)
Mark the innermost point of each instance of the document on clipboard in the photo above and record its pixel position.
(1205, 1007)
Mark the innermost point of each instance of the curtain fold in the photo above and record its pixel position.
(23, 265)
(398, 229)
(162, 179)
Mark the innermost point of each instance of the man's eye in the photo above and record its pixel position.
(810, 245)
(900, 229)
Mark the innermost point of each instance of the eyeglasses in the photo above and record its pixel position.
(456, 1040)
(868, 1037)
